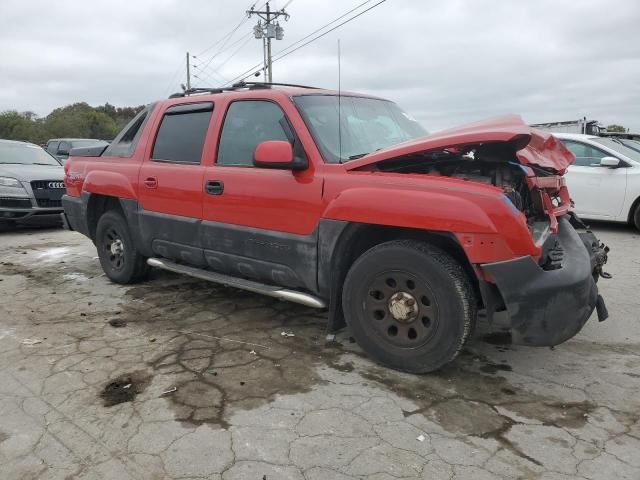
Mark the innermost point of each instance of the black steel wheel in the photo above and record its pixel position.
(402, 308)
(409, 305)
(118, 255)
(113, 246)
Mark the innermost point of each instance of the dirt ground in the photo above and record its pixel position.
(177, 378)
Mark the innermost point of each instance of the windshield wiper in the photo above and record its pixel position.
(49, 164)
(359, 155)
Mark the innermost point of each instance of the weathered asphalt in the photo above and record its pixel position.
(176, 378)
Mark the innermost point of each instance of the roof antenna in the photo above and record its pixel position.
(339, 106)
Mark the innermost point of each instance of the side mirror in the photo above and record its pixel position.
(609, 162)
(275, 154)
(63, 153)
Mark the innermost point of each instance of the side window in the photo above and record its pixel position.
(182, 132)
(125, 142)
(248, 123)
(586, 155)
(64, 148)
(52, 147)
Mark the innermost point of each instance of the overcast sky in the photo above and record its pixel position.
(447, 62)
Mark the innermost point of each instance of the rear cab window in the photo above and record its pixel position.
(126, 141)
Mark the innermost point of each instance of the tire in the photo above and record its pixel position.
(118, 255)
(7, 226)
(410, 305)
(636, 217)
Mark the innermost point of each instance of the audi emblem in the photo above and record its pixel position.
(55, 184)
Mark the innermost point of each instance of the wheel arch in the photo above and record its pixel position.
(634, 206)
(98, 204)
(357, 238)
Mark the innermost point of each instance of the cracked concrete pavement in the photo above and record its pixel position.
(176, 378)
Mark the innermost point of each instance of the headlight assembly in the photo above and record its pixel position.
(10, 187)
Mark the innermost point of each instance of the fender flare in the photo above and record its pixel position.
(111, 184)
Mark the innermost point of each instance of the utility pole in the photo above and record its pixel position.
(188, 73)
(267, 28)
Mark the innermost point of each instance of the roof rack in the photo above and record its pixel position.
(236, 86)
(244, 84)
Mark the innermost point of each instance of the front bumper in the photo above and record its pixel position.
(545, 307)
(26, 215)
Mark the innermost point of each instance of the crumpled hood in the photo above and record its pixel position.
(534, 147)
(27, 173)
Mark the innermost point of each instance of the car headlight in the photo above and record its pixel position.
(10, 187)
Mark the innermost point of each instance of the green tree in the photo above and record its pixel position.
(79, 120)
(24, 126)
(616, 128)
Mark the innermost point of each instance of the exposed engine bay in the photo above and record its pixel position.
(493, 164)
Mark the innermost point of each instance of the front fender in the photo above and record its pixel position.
(487, 226)
(410, 209)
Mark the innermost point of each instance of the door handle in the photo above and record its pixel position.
(151, 182)
(214, 187)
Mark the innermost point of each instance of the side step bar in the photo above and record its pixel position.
(256, 287)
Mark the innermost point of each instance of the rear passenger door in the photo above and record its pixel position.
(170, 183)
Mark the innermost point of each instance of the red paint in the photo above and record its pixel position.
(535, 147)
(288, 201)
(274, 152)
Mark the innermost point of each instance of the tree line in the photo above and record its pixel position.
(79, 120)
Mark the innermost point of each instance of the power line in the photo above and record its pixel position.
(225, 37)
(324, 26)
(234, 53)
(173, 78)
(203, 65)
(327, 32)
(224, 80)
(283, 53)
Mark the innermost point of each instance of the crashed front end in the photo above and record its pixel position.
(543, 293)
(547, 302)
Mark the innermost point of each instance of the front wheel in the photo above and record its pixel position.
(410, 305)
(636, 216)
(118, 255)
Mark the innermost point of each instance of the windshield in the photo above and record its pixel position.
(25, 154)
(615, 144)
(632, 144)
(366, 125)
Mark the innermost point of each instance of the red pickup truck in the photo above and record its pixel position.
(342, 201)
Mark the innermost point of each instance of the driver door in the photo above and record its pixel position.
(260, 223)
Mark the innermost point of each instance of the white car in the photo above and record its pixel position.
(604, 181)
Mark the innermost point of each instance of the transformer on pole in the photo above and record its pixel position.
(266, 29)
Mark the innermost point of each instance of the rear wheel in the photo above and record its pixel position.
(118, 256)
(410, 305)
